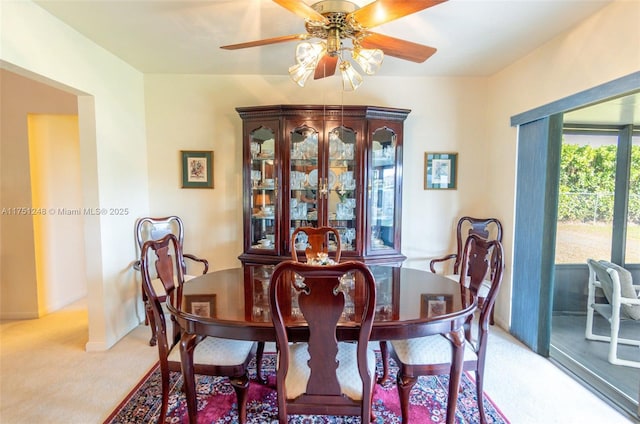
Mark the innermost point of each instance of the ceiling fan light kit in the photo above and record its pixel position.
(333, 21)
(309, 54)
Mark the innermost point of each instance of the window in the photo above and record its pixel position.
(588, 197)
(632, 252)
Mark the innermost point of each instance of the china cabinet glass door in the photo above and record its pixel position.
(304, 181)
(341, 185)
(323, 182)
(264, 182)
(383, 191)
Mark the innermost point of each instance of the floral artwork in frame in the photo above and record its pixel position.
(440, 171)
(197, 168)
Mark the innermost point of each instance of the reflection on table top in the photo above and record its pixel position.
(410, 303)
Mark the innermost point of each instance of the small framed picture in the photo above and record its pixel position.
(203, 305)
(197, 168)
(440, 171)
(435, 304)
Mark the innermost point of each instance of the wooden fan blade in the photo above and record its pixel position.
(302, 9)
(275, 40)
(396, 47)
(326, 67)
(382, 11)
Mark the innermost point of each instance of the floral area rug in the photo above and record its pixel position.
(217, 401)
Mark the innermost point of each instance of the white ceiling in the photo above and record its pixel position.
(473, 37)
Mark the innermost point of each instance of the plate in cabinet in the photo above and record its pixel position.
(313, 178)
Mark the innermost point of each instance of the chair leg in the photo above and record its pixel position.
(283, 417)
(480, 395)
(372, 414)
(259, 353)
(405, 384)
(615, 329)
(384, 352)
(164, 406)
(152, 323)
(615, 339)
(241, 386)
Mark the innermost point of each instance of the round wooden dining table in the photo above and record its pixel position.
(233, 303)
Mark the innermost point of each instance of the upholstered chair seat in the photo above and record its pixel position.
(434, 349)
(216, 351)
(348, 377)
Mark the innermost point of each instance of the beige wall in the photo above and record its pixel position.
(19, 97)
(112, 153)
(131, 157)
(190, 112)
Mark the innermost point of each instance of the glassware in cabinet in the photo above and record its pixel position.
(264, 186)
(342, 185)
(303, 177)
(383, 190)
(257, 282)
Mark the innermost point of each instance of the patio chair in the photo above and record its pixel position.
(623, 304)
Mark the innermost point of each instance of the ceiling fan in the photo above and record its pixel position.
(335, 21)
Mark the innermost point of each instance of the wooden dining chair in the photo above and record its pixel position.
(318, 375)
(149, 228)
(317, 244)
(212, 355)
(486, 228)
(432, 355)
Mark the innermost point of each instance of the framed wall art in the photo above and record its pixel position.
(203, 305)
(440, 171)
(197, 168)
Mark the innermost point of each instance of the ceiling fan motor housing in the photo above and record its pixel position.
(339, 26)
(336, 6)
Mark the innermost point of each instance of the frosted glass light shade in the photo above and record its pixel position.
(300, 74)
(351, 79)
(368, 59)
(307, 56)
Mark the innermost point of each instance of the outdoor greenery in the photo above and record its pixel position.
(587, 184)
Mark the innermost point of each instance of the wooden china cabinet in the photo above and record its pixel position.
(315, 165)
(339, 166)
